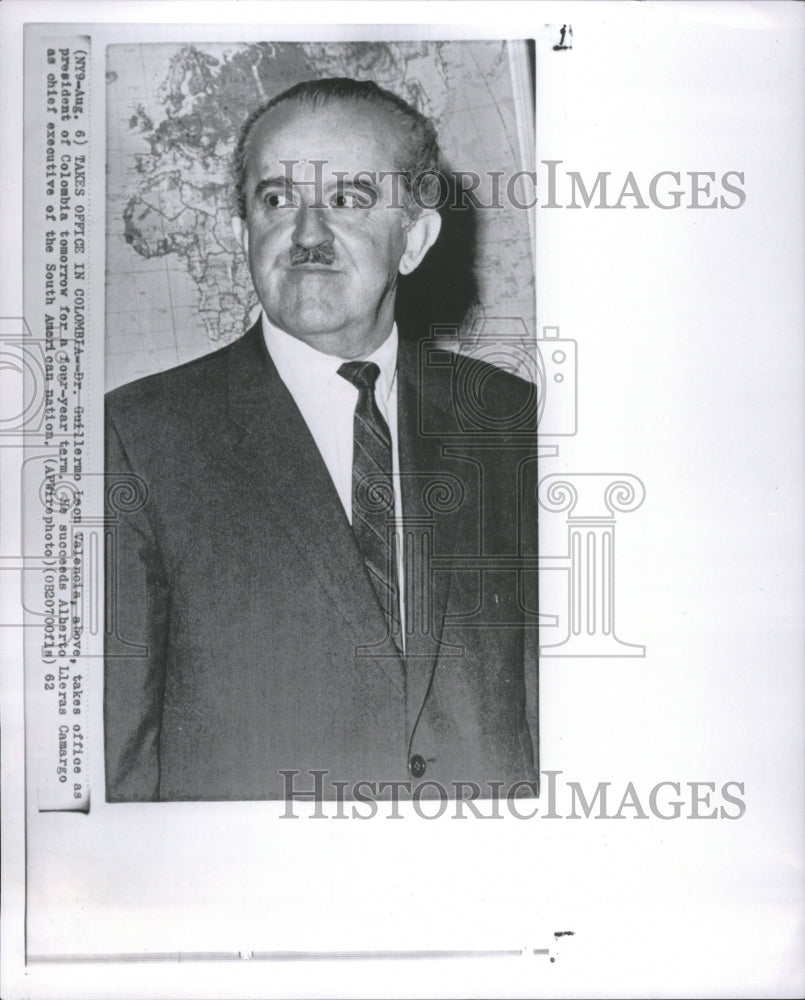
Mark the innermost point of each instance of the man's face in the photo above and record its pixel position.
(324, 259)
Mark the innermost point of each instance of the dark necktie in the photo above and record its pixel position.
(373, 491)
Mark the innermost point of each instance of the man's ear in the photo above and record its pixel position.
(241, 233)
(419, 238)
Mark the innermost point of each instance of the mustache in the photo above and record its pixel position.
(322, 253)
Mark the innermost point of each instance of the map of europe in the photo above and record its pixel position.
(177, 284)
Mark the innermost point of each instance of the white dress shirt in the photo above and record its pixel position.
(327, 403)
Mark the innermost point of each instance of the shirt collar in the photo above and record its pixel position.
(303, 368)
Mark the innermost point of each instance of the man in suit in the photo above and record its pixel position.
(319, 572)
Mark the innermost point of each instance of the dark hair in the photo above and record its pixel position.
(417, 133)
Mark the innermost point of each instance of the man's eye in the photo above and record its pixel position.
(277, 199)
(350, 199)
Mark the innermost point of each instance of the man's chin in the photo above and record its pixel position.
(317, 329)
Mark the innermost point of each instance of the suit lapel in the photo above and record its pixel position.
(422, 465)
(277, 458)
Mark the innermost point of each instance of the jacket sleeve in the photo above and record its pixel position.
(135, 639)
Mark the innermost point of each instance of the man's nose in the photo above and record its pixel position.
(311, 227)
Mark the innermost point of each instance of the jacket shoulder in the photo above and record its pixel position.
(179, 384)
(182, 394)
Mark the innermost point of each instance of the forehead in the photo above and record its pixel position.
(349, 136)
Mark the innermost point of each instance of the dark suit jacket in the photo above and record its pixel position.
(243, 633)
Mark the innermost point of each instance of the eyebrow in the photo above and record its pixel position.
(279, 181)
(286, 184)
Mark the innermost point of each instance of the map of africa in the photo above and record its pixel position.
(177, 285)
